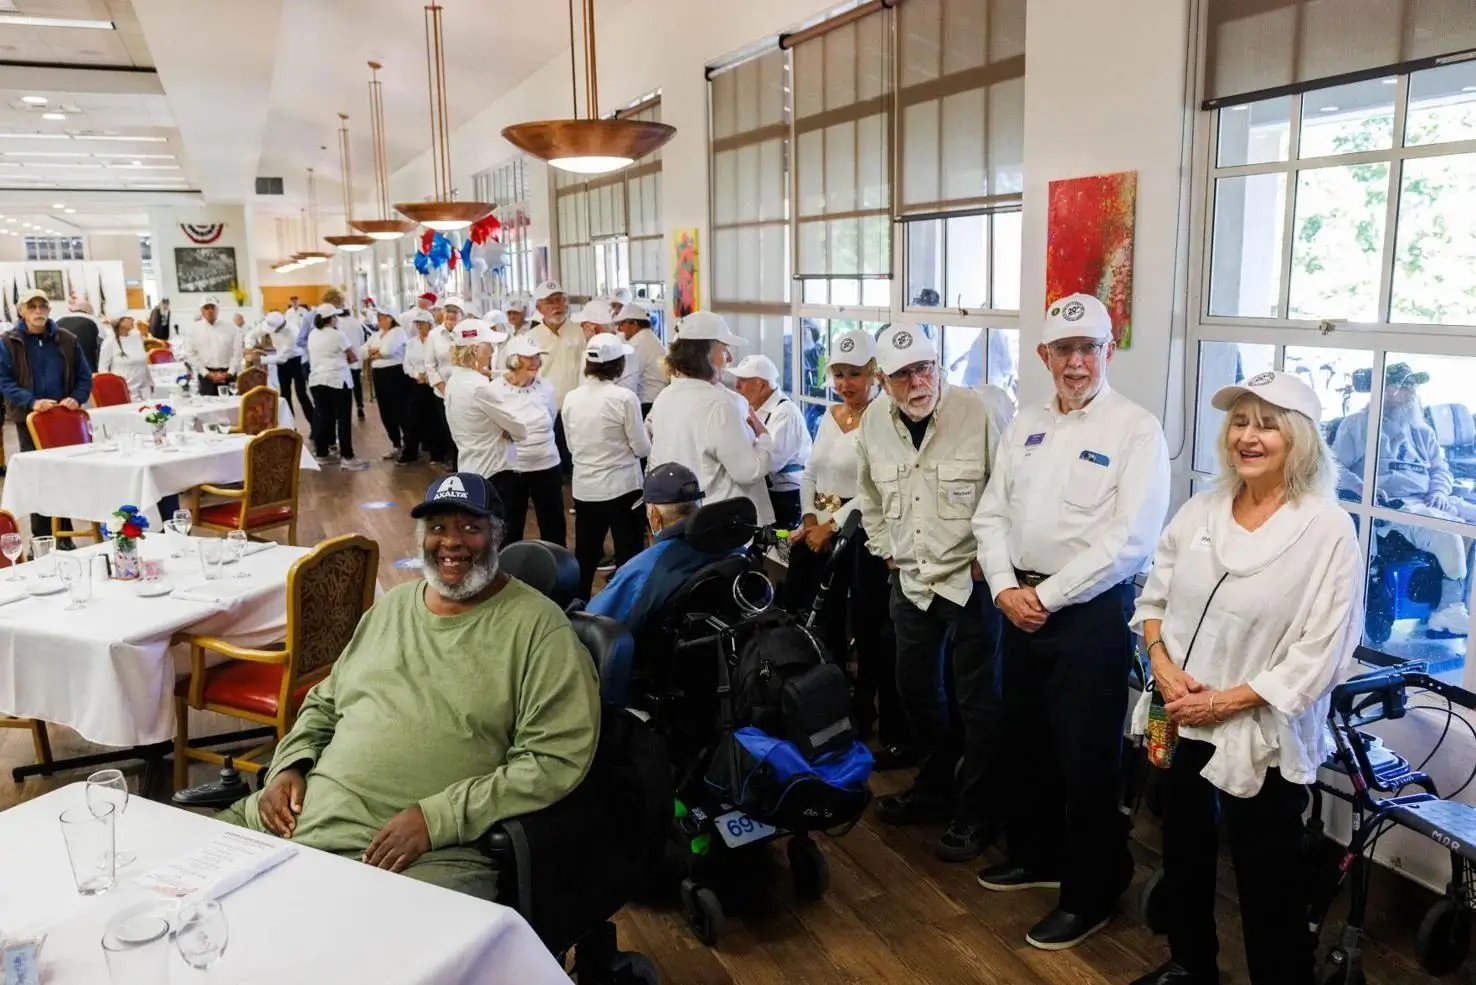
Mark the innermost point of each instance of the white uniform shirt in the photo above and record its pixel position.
(563, 367)
(414, 358)
(357, 333)
(649, 359)
(1286, 621)
(391, 346)
(831, 471)
(697, 424)
(327, 351)
(1080, 497)
(534, 405)
(602, 423)
(217, 346)
(916, 503)
(437, 355)
(784, 420)
(482, 424)
(127, 359)
(282, 342)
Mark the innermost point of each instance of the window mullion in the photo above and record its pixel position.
(1391, 207)
(1375, 425)
(1289, 220)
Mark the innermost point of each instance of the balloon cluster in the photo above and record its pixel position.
(480, 251)
(485, 229)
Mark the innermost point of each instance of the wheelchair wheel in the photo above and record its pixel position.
(704, 912)
(808, 868)
(1444, 937)
(1378, 618)
(1153, 903)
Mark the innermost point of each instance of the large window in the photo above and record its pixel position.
(512, 271)
(54, 248)
(1338, 246)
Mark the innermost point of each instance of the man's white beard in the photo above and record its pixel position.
(1400, 421)
(556, 321)
(918, 414)
(484, 569)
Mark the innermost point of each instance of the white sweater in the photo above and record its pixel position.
(1285, 621)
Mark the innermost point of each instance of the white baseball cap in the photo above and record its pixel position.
(1077, 316)
(274, 319)
(622, 294)
(524, 345)
(1285, 390)
(473, 331)
(326, 311)
(460, 306)
(704, 325)
(597, 312)
(417, 315)
(604, 348)
(631, 311)
(853, 348)
(547, 289)
(757, 367)
(903, 345)
(210, 302)
(517, 302)
(495, 317)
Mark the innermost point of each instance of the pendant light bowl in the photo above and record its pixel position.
(445, 217)
(351, 243)
(589, 146)
(384, 229)
(310, 257)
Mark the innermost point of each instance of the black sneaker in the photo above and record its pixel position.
(1061, 930)
(906, 808)
(1174, 973)
(964, 841)
(1008, 878)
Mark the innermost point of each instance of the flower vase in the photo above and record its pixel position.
(160, 435)
(126, 565)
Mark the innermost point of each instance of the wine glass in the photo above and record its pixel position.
(75, 575)
(182, 520)
(109, 788)
(11, 547)
(202, 934)
(236, 541)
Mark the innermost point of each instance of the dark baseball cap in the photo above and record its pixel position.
(462, 492)
(1400, 374)
(671, 483)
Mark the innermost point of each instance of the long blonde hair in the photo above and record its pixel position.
(1309, 463)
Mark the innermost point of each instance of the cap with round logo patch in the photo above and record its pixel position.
(853, 348)
(1077, 316)
(903, 345)
(1285, 390)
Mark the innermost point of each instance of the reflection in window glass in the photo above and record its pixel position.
(1340, 378)
(924, 263)
(1254, 133)
(1337, 242)
(950, 262)
(1347, 119)
(975, 356)
(1006, 253)
(1413, 609)
(1245, 252)
(1433, 255)
(967, 273)
(1220, 364)
(1442, 105)
(1004, 359)
(814, 336)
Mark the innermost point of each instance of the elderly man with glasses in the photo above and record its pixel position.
(1070, 517)
(923, 459)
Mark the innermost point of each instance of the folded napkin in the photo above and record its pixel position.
(227, 863)
(257, 546)
(211, 592)
(13, 593)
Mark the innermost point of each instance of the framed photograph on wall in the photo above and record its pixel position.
(204, 269)
(53, 282)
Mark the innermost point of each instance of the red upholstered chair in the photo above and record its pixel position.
(58, 428)
(160, 356)
(109, 390)
(327, 592)
(268, 497)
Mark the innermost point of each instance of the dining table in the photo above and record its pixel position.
(191, 413)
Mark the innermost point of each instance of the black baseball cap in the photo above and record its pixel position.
(671, 483)
(462, 492)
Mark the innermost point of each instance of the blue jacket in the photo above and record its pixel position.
(646, 582)
(45, 373)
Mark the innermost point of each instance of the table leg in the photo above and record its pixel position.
(147, 753)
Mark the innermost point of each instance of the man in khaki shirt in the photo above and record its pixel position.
(924, 459)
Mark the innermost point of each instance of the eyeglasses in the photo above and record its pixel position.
(925, 370)
(1065, 350)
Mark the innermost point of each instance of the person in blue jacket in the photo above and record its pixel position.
(646, 582)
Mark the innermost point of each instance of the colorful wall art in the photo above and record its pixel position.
(685, 270)
(1089, 244)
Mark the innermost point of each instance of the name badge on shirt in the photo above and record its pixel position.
(1096, 458)
(1035, 439)
(963, 496)
(1202, 540)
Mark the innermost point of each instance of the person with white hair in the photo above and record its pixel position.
(123, 354)
(330, 354)
(563, 343)
(1251, 614)
(516, 308)
(758, 382)
(534, 473)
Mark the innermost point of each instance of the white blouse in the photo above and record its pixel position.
(830, 474)
(127, 359)
(390, 347)
(1286, 621)
(327, 359)
(536, 450)
(482, 423)
(414, 357)
(607, 440)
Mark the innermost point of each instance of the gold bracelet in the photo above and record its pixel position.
(1216, 717)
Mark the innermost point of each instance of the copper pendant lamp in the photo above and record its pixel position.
(310, 257)
(387, 226)
(442, 213)
(350, 242)
(589, 145)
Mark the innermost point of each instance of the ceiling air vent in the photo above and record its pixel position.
(268, 186)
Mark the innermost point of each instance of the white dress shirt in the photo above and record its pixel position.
(217, 346)
(563, 367)
(697, 424)
(1080, 497)
(830, 474)
(1286, 621)
(414, 358)
(437, 354)
(650, 365)
(127, 359)
(391, 348)
(357, 333)
(784, 420)
(602, 423)
(483, 425)
(534, 405)
(327, 351)
(282, 342)
(917, 503)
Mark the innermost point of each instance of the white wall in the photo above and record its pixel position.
(164, 226)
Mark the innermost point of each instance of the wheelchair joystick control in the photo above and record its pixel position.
(219, 794)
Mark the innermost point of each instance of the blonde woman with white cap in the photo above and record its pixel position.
(483, 424)
(757, 379)
(695, 422)
(602, 422)
(534, 473)
(1250, 616)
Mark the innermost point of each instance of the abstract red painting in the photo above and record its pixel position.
(1089, 244)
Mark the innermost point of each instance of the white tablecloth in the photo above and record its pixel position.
(107, 670)
(89, 482)
(315, 918)
(113, 421)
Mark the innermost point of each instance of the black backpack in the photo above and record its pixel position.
(786, 686)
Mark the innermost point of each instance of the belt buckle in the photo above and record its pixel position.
(828, 502)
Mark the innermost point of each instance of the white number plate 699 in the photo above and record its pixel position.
(737, 828)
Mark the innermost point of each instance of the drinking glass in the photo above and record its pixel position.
(41, 553)
(11, 546)
(89, 839)
(236, 542)
(136, 946)
(78, 579)
(202, 934)
(212, 555)
(109, 788)
(182, 520)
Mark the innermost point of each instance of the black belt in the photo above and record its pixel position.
(217, 369)
(1029, 579)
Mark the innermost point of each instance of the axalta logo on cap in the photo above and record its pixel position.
(1073, 311)
(846, 345)
(1260, 379)
(451, 488)
(902, 340)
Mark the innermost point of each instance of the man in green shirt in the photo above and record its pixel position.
(462, 700)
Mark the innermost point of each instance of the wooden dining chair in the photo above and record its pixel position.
(328, 591)
(249, 379)
(151, 344)
(258, 410)
(157, 356)
(40, 740)
(60, 427)
(268, 497)
(109, 390)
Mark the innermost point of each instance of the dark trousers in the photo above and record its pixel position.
(1265, 834)
(40, 525)
(623, 517)
(293, 374)
(1065, 702)
(425, 421)
(971, 635)
(786, 505)
(210, 388)
(566, 462)
(358, 376)
(333, 408)
(390, 392)
(545, 489)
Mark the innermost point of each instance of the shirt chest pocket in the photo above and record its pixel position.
(958, 489)
(1088, 484)
(888, 482)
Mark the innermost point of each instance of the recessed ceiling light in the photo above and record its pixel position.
(70, 211)
(150, 157)
(59, 205)
(21, 20)
(54, 116)
(1389, 82)
(1327, 109)
(114, 136)
(9, 220)
(34, 100)
(60, 164)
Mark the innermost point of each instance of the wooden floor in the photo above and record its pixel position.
(894, 914)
